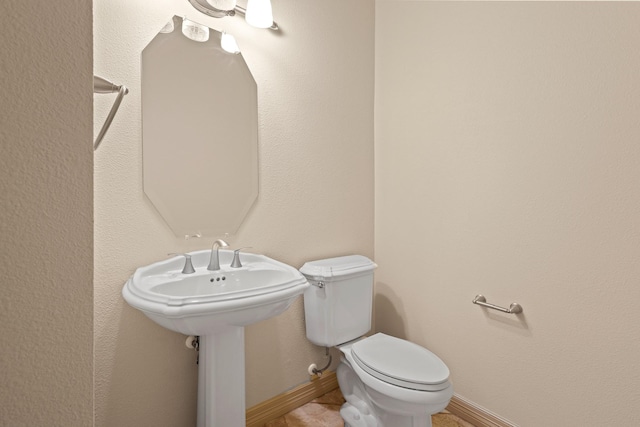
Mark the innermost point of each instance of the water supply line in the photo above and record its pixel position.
(193, 342)
(313, 368)
(101, 85)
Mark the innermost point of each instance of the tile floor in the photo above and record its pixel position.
(325, 412)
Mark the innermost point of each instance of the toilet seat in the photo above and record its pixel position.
(401, 363)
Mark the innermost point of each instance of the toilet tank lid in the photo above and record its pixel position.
(336, 267)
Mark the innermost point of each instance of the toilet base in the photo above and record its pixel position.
(354, 418)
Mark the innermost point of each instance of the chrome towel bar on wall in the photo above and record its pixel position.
(514, 308)
(101, 85)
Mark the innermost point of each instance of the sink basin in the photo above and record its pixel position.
(206, 301)
(216, 306)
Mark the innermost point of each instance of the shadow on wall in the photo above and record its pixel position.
(513, 323)
(388, 311)
(147, 361)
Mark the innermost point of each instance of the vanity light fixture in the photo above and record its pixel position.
(228, 43)
(194, 31)
(200, 33)
(257, 14)
(222, 5)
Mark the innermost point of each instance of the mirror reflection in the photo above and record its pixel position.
(199, 131)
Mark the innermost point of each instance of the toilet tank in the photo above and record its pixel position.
(338, 305)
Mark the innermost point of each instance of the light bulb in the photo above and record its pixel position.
(228, 43)
(194, 31)
(259, 13)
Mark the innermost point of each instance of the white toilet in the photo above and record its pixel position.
(386, 381)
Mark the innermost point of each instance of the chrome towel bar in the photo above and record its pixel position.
(101, 85)
(514, 308)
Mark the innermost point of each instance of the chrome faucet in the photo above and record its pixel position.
(214, 261)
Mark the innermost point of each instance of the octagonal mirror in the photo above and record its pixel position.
(199, 133)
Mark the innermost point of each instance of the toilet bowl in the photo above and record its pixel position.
(403, 383)
(386, 381)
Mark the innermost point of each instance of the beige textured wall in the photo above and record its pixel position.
(46, 214)
(507, 163)
(315, 82)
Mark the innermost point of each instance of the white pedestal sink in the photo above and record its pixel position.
(216, 305)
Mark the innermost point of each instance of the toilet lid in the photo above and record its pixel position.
(399, 362)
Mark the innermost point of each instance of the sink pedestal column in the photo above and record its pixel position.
(221, 387)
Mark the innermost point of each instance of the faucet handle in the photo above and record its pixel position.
(188, 266)
(236, 257)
